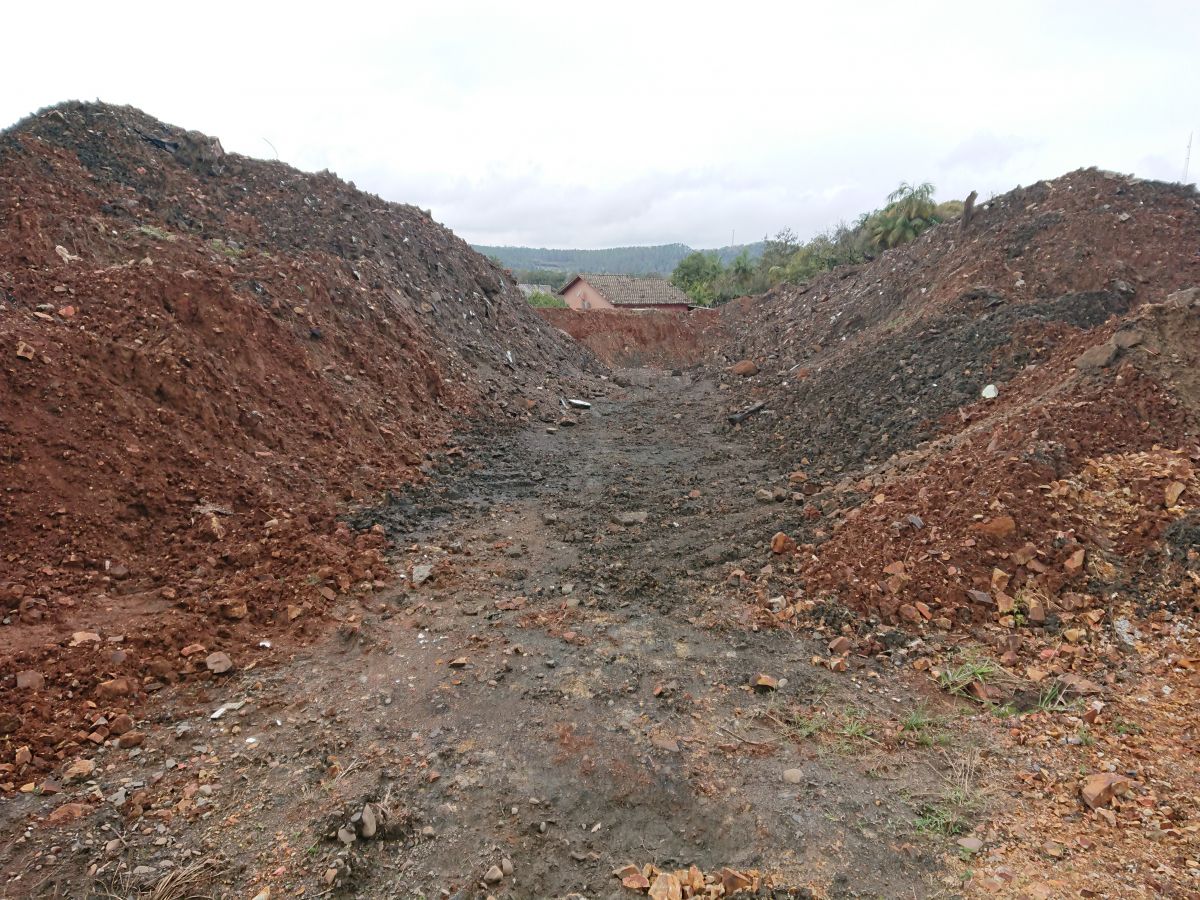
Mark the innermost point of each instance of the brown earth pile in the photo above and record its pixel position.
(877, 355)
(879, 383)
(637, 338)
(203, 359)
(992, 442)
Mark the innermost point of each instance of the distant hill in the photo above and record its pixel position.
(660, 259)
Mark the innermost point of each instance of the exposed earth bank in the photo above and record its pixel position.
(632, 339)
(203, 359)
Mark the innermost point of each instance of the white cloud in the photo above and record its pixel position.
(564, 124)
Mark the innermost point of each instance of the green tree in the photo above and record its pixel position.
(696, 274)
(910, 211)
(742, 270)
(779, 249)
(948, 209)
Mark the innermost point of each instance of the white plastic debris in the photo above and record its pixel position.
(232, 706)
(990, 392)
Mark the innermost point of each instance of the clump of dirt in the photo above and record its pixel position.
(203, 359)
(638, 338)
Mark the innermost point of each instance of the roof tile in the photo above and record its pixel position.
(631, 290)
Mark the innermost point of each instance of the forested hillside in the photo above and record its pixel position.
(660, 259)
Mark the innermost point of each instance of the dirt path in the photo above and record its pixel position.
(561, 696)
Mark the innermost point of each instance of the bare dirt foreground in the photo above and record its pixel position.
(573, 687)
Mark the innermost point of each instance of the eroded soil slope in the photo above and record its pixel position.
(636, 338)
(990, 443)
(203, 358)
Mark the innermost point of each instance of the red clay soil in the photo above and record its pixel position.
(204, 359)
(1017, 460)
(988, 450)
(916, 488)
(636, 338)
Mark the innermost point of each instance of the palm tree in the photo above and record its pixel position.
(910, 211)
(743, 269)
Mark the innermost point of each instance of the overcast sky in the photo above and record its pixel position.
(591, 125)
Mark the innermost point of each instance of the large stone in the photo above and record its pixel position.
(1173, 492)
(1186, 297)
(131, 739)
(116, 687)
(370, 822)
(1095, 358)
(632, 518)
(998, 527)
(1074, 562)
(30, 680)
(78, 770)
(68, 812)
(666, 887)
(1099, 790)
(1127, 339)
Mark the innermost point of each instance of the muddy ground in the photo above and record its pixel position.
(560, 696)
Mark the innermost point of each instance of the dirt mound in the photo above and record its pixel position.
(638, 338)
(874, 356)
(1082, 232)
(203, 359)
(955, 381)
(988, 447)
(1013, 489)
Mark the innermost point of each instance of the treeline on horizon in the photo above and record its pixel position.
(712, 277)
(910, 209)
(553, 267)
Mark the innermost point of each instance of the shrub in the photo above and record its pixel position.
(547, 301)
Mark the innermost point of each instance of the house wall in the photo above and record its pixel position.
(643, 337)
(582, 295)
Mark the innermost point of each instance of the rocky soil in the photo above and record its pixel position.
(880, 586)
(203, 358)
(993, 434)
(566, 683)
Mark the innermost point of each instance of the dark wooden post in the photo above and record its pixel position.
(968, 211)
